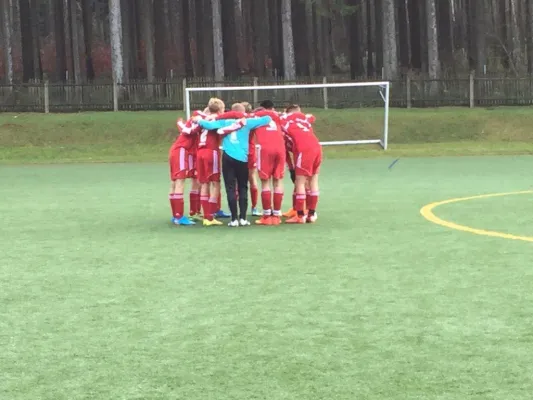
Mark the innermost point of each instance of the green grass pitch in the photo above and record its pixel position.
(100, 298)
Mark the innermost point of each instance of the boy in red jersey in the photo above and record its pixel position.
(208, 166)
(271, 160)
(308, 158)
(181, 166)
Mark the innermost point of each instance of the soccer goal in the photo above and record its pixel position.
(369, 101)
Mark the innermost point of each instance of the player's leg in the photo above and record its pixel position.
(277, 183)
(264, 172)
(242, 173)
(212, 163)
(195, 207)
(312, 198)
(254, 191)
(178, 172)
(302, 170)
(220, 213)
(230, 183)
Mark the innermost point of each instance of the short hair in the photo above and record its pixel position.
(267, 104)
(259, 109)
(247, 106)
(292, 108)
(238, 107)
(215, 105)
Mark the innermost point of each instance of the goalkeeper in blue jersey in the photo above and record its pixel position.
(235, 160)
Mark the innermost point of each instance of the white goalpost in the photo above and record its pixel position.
(383, 89)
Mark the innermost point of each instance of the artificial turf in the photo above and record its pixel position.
(101, 298)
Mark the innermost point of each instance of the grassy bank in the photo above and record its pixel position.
(146, 136)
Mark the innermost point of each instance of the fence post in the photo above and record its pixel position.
(184, 93)
(255, 95)
(408, 90)
(471, 90)
(115, 96)
(325, 93)
(46, 98)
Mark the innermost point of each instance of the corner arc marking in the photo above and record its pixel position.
(427, 213)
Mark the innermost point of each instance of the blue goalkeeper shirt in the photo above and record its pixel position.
(236, 143)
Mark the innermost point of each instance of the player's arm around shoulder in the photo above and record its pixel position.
(257, 122)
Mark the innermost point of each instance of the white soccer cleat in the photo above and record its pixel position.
(233, 224)
(244, 222)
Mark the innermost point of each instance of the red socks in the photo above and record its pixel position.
(312, 201)
(278, 200)
(300, 203)
(253, 196)
(176, 204)
(294, 201)
(204, 200)
(194, 202)
(214, 206)
(266, 202)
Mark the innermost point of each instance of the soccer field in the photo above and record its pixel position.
(101, 298)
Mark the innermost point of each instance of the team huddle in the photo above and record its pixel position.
(260, 142)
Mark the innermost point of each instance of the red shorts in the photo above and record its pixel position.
(252, 157)
(271, 163)
(179, 165)
(308, 161)
(191, 164)
(208, 165)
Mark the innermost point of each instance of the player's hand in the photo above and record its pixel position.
(292, 173)
(242, 121)
(196, 118)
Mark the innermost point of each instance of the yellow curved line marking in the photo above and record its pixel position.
(427, 213)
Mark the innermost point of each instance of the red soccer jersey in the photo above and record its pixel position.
(188, 136)
(297, 126)
(231, 115)
(271, 135)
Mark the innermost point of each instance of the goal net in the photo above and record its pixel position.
(348, 113)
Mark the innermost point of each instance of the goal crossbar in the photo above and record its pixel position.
(383, 84)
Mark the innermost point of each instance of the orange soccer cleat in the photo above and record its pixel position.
(276, 220)
(291, 213)
(264, 220)
(296, 220)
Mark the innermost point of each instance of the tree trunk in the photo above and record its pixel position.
(276, 39)
(390, 58)
(28, 72)
(355, 23)
(115, 22)
(74, 33)
(231, 68)
(127, 53)
(370, 66)
(239, 35)
(218, 47)
(147, 29)
(481, 22)
(310, 33)
(6, 20)
(379, 33)
(415, 55)
(260, 28)
(444, 26)
(88, 38)
(61, 53)
(178, 34)
(208, 52)
(403, 33)
(301, 49)
(159, 39)
(529, 36)
(433, 44)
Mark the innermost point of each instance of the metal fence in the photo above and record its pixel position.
(409, 92)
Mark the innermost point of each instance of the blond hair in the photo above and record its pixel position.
(215, 105)
(238, 107)
(247, 106)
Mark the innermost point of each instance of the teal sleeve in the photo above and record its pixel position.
(254, 123)
(214, 125)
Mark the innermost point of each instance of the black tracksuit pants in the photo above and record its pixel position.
(235, 172)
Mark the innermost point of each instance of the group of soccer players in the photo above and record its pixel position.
(288, 140)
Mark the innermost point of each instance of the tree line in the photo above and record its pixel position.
(84, 40)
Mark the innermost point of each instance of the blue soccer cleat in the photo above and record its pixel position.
(222, 214)
(183, 221)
